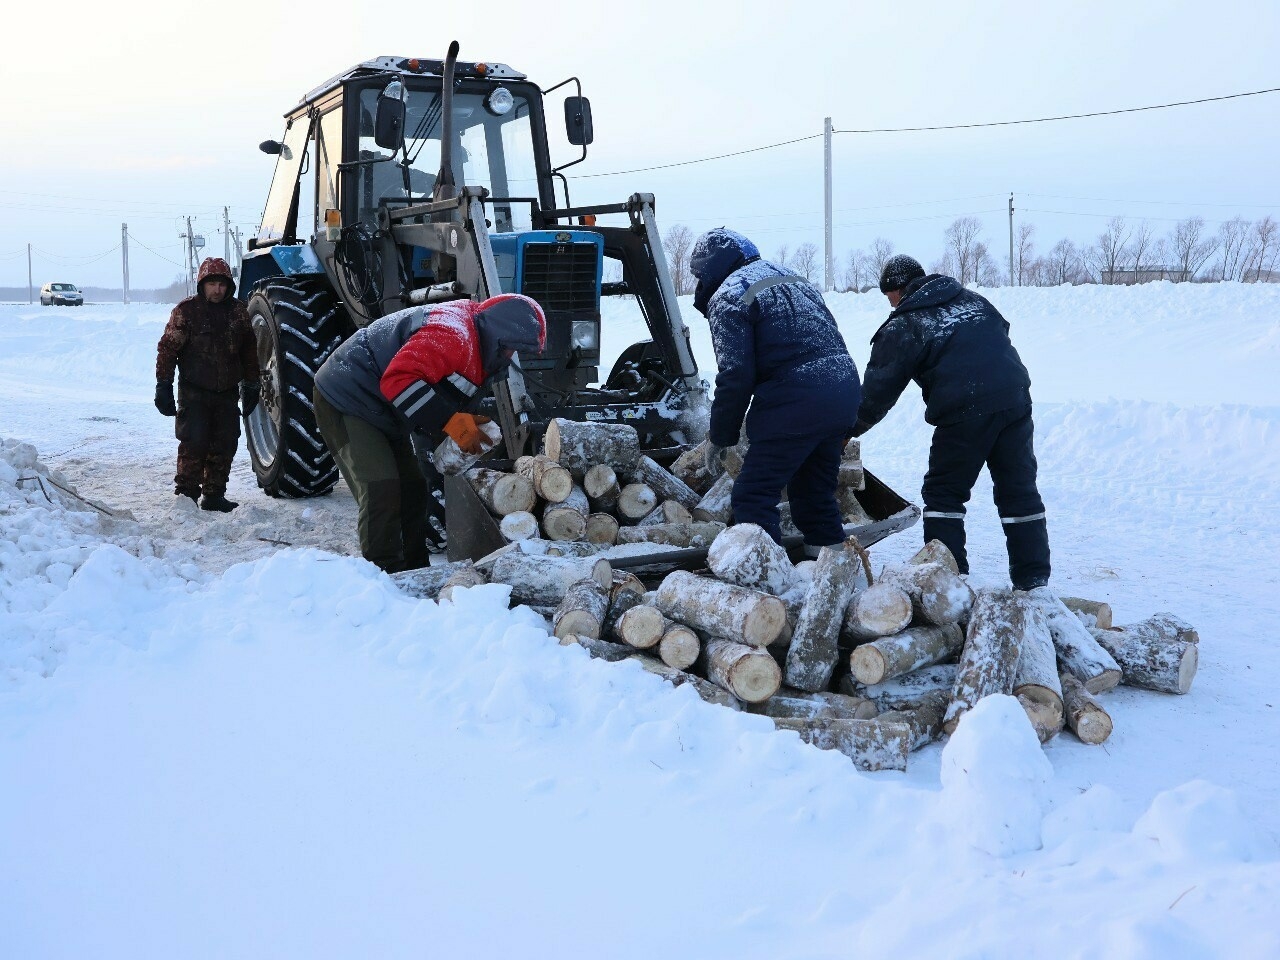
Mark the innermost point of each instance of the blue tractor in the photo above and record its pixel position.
(404, 182)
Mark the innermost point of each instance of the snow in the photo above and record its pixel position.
(211, 745)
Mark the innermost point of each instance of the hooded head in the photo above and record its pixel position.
(717, 254)
(508, 324)
(215, 268)
(898, 272)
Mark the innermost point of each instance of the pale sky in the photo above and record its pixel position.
(145, 111)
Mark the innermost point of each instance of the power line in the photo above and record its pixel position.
(82, 261)
(153, 253)
(685, 163)
(1163, 203)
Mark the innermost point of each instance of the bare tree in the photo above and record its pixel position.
(783, 257)
(881, 251)
(1142, 250)
(986, 272)
(1190, 248)
(1110, 254)
(677, 244)
(1024, 252)
(805, 261)
(1039, 273)
(856, 270)
(1265, 250)
(1063, 264)
(962, 248)
(1233, 240)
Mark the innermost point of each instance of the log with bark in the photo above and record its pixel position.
(935, 551)
(870, 744)
(1080, 654)
(465, 576)
(744, 554)
(566, 520)
(680, 646)
(748, 672)
(905, 691)
(1036, 683)
(802, 705)
(601, 486)
(716, 504)
(425, 582)
(600, 649)
(580, 445)
(814, 649)
(602, 528)
(668, 511)
(1150, 660)
(502, 493)
(635, 502)
(923, 717)
(450, 459)
(887, 657)
(627, 592)
(583, 610)
(521, 525)
(691, 469)
(937, 595)
(1085, 716)
(672, 534)
(545, 580)
(641, 627)
(881, 610)
(550, 480)
(722, 609)
(989, 661)
(1166, 626)
(663, 482)
(1094, 613)
(707, 690)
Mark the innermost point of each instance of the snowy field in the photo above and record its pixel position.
(227, 736)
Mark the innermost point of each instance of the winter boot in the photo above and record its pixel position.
(216, 501)
(193, 494)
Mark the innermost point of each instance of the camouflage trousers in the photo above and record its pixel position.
(389, 488)
(208, 431)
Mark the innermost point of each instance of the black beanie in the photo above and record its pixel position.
(899, 271)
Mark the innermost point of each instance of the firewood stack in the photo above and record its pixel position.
(874, 667)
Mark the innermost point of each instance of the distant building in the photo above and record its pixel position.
(1127, 277)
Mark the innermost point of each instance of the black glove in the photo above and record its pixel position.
(250, 393)
(164, 398)
(713, 459)
(861, 427)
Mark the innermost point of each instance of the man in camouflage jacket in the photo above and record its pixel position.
(210, 342)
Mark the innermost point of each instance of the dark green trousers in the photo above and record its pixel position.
(390, 491)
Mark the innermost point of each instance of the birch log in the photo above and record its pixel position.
(722, 609)
(503, 493)
(801, 705)
(923, 717)
(989, 661)
(521, 525)
(672, 534)
(679, 646)
(600, 649)
(627, 592)
(545, 580)
(870, 744)
(707, 690)
(937, 595)
(668, 511)
(463, 577)
(1094, 613)
(748, 672)
(601, 486)
(1165, 626)
(935, 551)
(1081, 655)
(691, 469)
(566, 520)
(888, 657)
(904, 691)
(1036, 683)
(663, 482)
(814, 648)
(744, 554)
(550, 480)
(1150, 661)
(1085, 717)
(602, 528)
(425, 582)
(717, 503)
(881, 610)
(635, 501)
(641, 627)
(580, 445)
(582, 611)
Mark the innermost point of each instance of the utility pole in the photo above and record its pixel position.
(191, 258)
(1012, 278)
(239, 255)
(124, 249)
(226, 236)
(31, 297)
(826, 210)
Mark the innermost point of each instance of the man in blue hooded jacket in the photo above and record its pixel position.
(977, 395)
(779, 352)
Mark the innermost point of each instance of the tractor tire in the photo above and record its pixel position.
(297, 325)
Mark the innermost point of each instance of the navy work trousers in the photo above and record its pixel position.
(809, 468)
(1003, 442)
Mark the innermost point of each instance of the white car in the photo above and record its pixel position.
(61, 295)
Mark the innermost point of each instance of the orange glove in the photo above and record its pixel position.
(465, 430)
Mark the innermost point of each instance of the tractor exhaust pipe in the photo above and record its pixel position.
(445, 188)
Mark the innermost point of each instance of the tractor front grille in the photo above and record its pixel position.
(561, 276)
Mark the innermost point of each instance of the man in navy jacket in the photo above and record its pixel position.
(779, 352)
(977, 395)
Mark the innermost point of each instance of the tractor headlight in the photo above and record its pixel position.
(499, 102)
(585, 335)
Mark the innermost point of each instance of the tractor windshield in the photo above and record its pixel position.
(494, 151)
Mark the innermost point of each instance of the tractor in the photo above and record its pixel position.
(406, 181)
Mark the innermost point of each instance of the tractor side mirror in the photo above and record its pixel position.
(577, 120)
(271, 146)
(388, 123)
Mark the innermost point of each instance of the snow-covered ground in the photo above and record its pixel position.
(213, 745)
